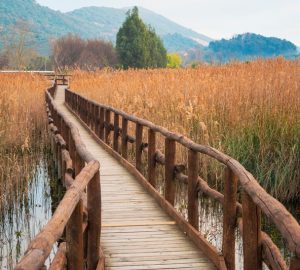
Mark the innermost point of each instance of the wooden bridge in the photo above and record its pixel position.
(113, 217)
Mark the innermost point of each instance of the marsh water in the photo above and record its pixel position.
(26, 218)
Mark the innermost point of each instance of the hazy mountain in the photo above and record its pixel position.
(90, 22)
(103, 22)
(248, 46)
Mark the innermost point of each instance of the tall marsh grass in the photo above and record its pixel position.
(251, 111)
(22, 133)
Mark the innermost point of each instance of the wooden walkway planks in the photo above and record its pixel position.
(136, 232)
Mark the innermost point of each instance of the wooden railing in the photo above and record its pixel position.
(61, 79)
(78, 215)
(257, 245)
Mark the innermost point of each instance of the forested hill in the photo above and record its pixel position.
(248, 46)
(90, 22)
(46, 24)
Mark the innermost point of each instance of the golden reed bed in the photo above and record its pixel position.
(22, 132)
(250, 111)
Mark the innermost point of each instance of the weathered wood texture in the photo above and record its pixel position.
(70, 211)
(256, 199)
(136, 232)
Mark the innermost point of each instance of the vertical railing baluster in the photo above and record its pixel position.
(59, 162)
(101, 123)
(89, 113)
(97, 120)
(94, 221)
(229, 218)
(251, 234)
(124, 137)
(193, 203)
(75, 252)
(151, 157)
(170, 151)
(107, 126)
(116, 132)
(138, 146)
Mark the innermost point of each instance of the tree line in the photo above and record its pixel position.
(137, 46)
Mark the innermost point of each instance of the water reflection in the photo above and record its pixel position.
(211, 224)
(25, 219)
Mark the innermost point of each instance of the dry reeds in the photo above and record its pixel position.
(22, 133)
(250, 111)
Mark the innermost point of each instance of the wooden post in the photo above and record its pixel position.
(80, 107)
(63, 171)
(116, 132)
(101, 123)
(94, 221)
(229, 218)
(151, 157)
(75, 239)
(55, 154)
(62, 127)
(95, 117)
(59, 162)
(86, 112)
(89, 113)
(91, 116)
(71, 145)
(124, 137)
(295, 263)
(97, 120)
(170, 151)
(107, 126)
(193, 203)
(251, 234)
(75, 252)
(138, 146)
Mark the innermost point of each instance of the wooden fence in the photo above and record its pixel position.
(78, 215)
(104, 121)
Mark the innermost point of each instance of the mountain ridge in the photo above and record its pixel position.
(104, 22)
(88, 22)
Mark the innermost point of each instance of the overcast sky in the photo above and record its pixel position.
(214, 18)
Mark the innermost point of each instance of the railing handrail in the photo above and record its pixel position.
(79, 144)
(41, 246)
(85, 169)
(273, 209)
(284, 221)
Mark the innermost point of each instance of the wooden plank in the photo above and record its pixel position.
(122, 197)
(138, 224)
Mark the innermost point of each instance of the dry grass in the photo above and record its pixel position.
(251, 110)
(22, 132)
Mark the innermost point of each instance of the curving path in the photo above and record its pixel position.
(136, 232)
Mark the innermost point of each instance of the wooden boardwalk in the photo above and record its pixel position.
(136, 233)
(140, 228)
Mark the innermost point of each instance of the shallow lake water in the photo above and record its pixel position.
(25, 219)
(211, 225)
(28, 217)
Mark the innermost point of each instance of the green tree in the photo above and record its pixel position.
(138, 45)
(174, 60)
